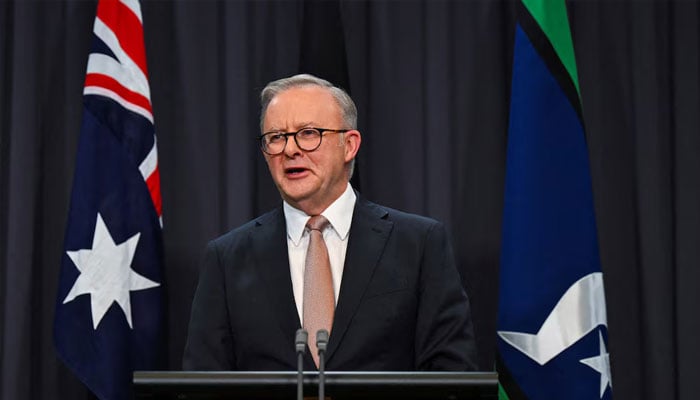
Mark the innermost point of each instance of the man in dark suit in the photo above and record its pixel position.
(381, 281)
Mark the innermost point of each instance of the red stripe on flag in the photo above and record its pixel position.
(153, 183)
(127, 27)
(110, 83)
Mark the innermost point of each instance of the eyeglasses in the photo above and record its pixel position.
(307, 139)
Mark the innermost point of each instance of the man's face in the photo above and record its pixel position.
(310, 181)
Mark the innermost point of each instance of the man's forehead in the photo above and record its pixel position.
(307, 105)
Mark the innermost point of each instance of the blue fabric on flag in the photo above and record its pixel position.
(549, 230)
(107, 180)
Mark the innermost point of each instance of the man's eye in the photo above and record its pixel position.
(275, 138)
(308, 133)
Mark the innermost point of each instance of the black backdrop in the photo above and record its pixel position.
(431, 81)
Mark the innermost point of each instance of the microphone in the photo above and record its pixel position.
(300, 343)
(322, 345)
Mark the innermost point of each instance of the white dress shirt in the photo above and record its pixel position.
(339, 214)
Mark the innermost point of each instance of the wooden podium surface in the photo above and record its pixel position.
(154, 385)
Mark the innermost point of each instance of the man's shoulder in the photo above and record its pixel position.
(403, 218)
(242, 231)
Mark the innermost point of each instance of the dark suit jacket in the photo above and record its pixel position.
(401, 304)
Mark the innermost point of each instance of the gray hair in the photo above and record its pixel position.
(347, 106)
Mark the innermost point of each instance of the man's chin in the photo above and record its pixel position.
(297, 188)
(295, 197)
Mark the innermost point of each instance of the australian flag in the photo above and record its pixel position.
(108, 311)
(552, 325)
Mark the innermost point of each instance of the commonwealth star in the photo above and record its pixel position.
(106, 274)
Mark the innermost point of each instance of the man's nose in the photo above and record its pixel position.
(291, 149)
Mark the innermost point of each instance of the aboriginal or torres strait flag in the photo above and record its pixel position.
(108, 310)
(552, 326)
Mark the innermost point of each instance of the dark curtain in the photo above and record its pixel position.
(431, 80)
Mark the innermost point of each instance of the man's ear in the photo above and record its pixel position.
(352, 140)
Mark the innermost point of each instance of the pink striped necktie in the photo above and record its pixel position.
(319, 300)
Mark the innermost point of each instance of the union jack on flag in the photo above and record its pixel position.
(108, 311)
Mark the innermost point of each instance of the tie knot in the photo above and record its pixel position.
(317, 223)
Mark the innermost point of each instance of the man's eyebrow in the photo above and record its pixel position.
(298, 126)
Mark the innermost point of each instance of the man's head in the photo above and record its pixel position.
(309, 178)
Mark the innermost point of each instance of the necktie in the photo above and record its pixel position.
(319, 300)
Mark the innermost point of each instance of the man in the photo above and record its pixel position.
(381, 281)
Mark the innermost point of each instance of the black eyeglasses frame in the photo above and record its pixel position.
(286, 135)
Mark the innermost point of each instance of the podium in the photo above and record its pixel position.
(165, 385)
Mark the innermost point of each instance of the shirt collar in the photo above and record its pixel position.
(339, 214)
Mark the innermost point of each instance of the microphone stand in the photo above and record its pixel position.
(300, 341)
(322, 344)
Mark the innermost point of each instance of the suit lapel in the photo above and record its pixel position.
(269, 243)
(368, 235)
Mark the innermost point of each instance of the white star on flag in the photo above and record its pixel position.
(106, 274)
(601, 363)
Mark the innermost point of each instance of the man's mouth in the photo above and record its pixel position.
(294, 171)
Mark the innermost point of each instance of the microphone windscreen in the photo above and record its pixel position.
(322, 339)
(301, 339)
